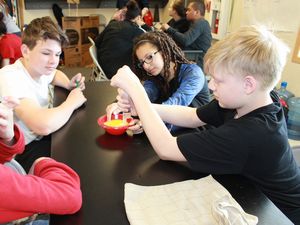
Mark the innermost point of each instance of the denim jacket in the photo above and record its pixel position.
(192, 90)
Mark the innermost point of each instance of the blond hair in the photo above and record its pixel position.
(251, 50)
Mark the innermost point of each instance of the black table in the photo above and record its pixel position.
(105, 163)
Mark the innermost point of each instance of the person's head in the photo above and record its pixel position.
(132, 10)
(249, 60)
(195, 10)
(4, 6)
(42, 41)
(3, 29)
(153, 53)
(177, 8)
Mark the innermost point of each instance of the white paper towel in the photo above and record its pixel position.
(193, 202)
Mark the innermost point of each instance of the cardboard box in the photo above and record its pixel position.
(72, 56)
(78, 29)
(86, 58)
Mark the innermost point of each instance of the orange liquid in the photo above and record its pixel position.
(115, 123)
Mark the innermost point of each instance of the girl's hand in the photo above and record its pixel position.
(135, 127)
(112, 109)
(125, 103)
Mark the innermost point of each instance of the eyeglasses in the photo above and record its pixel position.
(148, 59)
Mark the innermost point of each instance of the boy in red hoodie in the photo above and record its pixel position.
(50, 187)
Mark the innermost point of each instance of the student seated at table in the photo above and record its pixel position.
(143, 5)
(12, 27)
(10, 45)
(114, 44)
(250, 134)
(198, 36)
(178, 13)
(50, 187)
(28, 79)
(167, 76)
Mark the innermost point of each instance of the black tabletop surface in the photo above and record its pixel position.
(105, 163)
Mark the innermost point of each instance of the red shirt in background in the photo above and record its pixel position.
(10, 47)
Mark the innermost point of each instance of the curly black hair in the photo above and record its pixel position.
(170, 53)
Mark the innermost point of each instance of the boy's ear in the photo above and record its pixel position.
(250, 84)
(24, 50)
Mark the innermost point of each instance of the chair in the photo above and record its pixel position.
(97, 72)
(195, 56)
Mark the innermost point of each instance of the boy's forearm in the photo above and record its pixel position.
(44, 121)
(178, 115)
(61, 80)
(162, 141)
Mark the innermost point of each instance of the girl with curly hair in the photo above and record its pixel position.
(168, 77)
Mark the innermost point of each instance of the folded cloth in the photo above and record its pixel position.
(228, 212)
(203, 201)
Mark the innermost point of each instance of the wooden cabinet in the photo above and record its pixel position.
(78, 29)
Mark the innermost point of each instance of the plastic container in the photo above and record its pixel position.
(114, 130)
(293, 123)
(283, 93)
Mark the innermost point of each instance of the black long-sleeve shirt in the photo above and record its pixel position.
(114, 45)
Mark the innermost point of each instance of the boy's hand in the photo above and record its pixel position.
(77, 82)
(125, 79)
(6, 118)
(76, 98)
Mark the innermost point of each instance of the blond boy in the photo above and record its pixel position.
(250, 134)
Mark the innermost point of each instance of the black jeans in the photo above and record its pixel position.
(33, 151)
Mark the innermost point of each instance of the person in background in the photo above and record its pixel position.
(245, 66)
(143, 5)
(198, 36)
(10, 45)
(178, 13)
(50, 187)
(29, 78)
(114, 44)
(167, 76)
(10, 24)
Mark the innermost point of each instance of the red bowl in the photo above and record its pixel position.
(114, 130)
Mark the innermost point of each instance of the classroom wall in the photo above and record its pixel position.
(291, 73)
